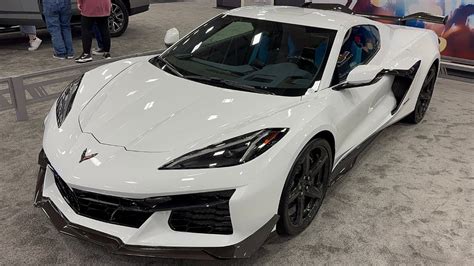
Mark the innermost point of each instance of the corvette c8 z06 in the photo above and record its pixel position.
(234, 132)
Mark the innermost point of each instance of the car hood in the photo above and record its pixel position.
(147, 109)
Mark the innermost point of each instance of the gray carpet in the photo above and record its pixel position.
(409, 200)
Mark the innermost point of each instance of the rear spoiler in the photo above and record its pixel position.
(426, 17)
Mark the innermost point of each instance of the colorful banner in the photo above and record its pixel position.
(456, 37)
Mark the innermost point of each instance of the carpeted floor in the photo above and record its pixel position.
(408, 200)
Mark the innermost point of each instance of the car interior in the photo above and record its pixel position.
(286, 58)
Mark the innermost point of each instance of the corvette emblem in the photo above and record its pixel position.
(85, 157)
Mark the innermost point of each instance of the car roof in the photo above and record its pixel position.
(302, 16)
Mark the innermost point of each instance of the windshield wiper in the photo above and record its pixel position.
(228, 83)
(169, 66)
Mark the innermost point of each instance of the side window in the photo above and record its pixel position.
(361, 43)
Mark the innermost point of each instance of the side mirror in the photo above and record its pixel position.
(360, 76)
(171, 37)
(363, 74)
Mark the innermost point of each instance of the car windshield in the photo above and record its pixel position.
(251, 54)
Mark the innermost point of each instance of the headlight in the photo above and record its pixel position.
(231, 152)
(65, 100)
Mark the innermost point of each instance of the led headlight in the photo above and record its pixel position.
(231, 152)
(65, 100)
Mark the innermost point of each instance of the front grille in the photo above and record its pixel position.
(200, 213)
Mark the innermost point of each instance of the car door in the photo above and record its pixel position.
(360, 111)
(11, 12)
(10, 6)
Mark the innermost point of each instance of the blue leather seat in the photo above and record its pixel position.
(260, 52)
(320, 53)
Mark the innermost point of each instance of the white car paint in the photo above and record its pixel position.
(138, 117)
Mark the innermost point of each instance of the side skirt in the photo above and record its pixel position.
(348, 162)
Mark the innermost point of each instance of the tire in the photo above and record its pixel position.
(118, 20)
(424, 98)
(305, 188)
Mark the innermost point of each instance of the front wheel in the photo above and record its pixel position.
(305, 188)
(118, 19)
(424, 98)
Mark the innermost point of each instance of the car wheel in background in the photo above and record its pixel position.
(305, 188)
(118, 20)
(424, 98)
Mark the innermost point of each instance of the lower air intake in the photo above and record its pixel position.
(205, 220)
(197, 213)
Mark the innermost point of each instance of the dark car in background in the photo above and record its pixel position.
(28, 12)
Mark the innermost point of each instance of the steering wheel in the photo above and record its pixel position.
(302, 62)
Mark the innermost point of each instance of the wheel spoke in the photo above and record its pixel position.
(319, 165)
(293, 195)
(116, 26)
(300, 210)
(307, 164)
(314, 192)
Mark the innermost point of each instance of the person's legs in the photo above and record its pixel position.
(28, 30)
(65, 21)
(35, 42)
(103, 25)
(51, 15)
(86, 25)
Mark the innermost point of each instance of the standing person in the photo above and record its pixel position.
(57, 14)
(35, 42)
(94, 12)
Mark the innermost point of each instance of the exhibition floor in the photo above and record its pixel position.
(408, 200)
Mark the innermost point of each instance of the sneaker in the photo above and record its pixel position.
(98, 51)
(70, 57)
(35, 44)
(107, 56)
(84, 58)
(59, 57)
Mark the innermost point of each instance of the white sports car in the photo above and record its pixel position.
(234, 132)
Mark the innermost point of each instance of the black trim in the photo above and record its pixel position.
(409, 73)
(138, 10)
(134, 212)
(402, 83)
(350, 159)
(346, 85)
(399, 20)
(330, 7)
(243, 249)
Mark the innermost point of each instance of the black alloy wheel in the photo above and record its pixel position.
(424, 97)
(305, 188)
(118, 19)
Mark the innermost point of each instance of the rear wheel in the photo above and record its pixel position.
(424, 98)
(118, 20)
(305, 188)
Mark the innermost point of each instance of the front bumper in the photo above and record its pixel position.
(243, 249)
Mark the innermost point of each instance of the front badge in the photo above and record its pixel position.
(85, 157)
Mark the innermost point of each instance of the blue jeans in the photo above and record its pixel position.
(30, 30)
(57, 14)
